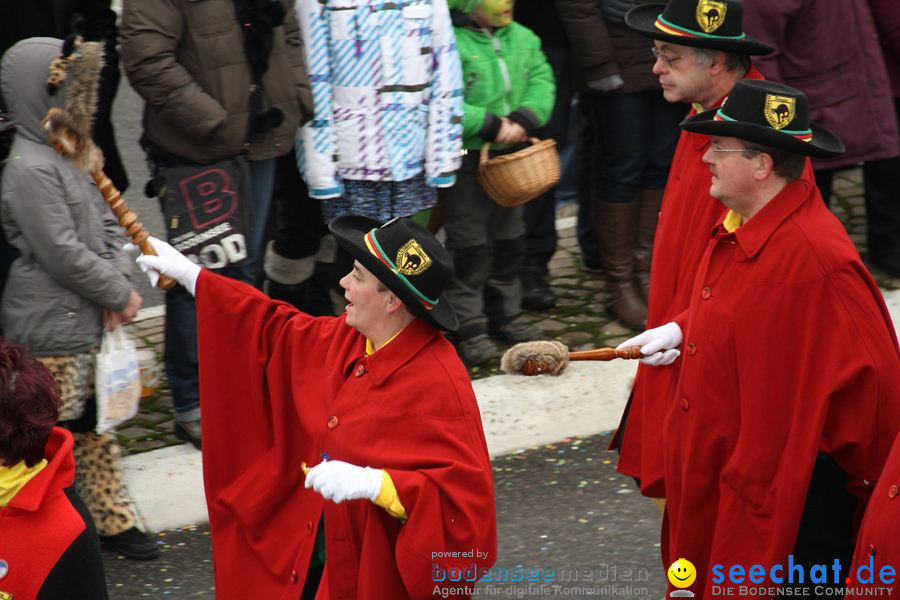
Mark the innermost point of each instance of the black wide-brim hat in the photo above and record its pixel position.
(713, 24)
(768, 113)
(406, 258)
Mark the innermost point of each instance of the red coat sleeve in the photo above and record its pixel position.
(250, 430)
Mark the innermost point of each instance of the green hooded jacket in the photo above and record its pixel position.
(505, 74)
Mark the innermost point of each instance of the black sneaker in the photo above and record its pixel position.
(536, 294)
(132, 543)
(188, 431)
(477, 350)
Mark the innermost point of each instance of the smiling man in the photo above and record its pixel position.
(377, 399)
(788, 388)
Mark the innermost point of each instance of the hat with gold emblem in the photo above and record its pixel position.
(406, 258)
(768, 113)
(713, 24)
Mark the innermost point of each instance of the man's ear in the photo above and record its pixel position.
(717, 64)
(765, 167)
(393, 303)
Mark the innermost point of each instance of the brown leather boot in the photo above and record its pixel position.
(648, 215)
(616, 223)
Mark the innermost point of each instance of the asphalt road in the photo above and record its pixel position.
(560, 507)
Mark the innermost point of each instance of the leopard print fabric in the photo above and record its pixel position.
(59, 70)
(75, 376)
(99, 482)
(98, 476)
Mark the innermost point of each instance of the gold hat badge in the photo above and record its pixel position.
(780, 110)
(711, 15)
(412, 259)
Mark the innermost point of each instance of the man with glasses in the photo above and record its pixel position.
(699, 59)
(788, 391)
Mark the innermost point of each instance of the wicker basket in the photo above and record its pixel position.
(513, 179)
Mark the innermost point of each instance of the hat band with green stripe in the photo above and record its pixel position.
(375, 249)
(804, 135)
(666, 27)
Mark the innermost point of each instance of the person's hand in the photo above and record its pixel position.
(510, 132)
(658, 345)
(168, 261)
(131, 309)
(337, 481)
(111, 319)
(607, 84)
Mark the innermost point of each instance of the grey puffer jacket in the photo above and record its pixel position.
(71, 264)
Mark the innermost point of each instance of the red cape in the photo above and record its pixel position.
(278, 388)
(878, 544)
(789, 352)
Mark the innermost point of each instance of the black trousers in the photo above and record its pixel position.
(882, 190)
(826, 529)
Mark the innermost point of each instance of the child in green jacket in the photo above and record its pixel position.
(508, 93)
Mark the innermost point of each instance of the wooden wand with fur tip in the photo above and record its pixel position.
(551, 358)
(87, 157)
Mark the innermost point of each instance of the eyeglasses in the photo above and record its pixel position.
(715, 148)
(667, 61)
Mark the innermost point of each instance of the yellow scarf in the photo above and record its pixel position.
(14, 478)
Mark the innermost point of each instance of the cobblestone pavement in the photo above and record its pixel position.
(579, 319)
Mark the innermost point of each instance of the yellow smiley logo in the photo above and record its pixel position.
(682, 573)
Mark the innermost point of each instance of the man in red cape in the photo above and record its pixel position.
(399, 501)
(788, 389)
(698, 61)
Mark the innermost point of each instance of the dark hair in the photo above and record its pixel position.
(785, 164)
(29, 405)
(739, 63)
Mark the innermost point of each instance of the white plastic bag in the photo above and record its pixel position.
(118, 384)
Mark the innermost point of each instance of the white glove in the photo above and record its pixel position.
(337, 481)
(168, 261)
(659, 345)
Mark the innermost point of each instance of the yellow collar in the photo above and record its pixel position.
(370, 347)
(14, 478)
(732, 221)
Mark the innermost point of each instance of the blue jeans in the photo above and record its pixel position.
(262, 182)
(180, 356)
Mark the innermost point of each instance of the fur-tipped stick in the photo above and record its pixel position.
(552, 358)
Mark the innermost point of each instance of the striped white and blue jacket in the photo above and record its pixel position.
(387, 89)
